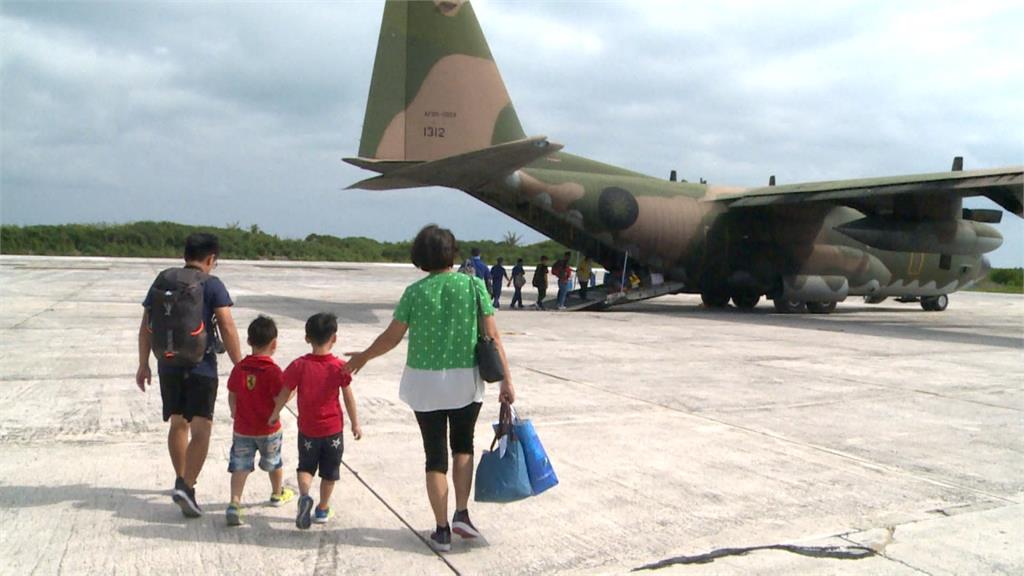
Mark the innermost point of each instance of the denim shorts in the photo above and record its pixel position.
(243, 452)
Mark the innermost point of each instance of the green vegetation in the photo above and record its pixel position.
(166, 239)
(1008, 280)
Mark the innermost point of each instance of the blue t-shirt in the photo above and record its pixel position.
(215, 295)
(498, 274)
(481, 268)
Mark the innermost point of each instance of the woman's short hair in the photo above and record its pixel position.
(434, 248)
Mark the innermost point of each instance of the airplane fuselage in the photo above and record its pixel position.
(675, 229)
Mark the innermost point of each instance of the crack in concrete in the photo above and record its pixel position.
(882, 553)
(67, 544)
(854, 552)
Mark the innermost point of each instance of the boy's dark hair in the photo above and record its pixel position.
(320, 327)
(543, 258)
(519, 260)
(262, 331)
(434, 248)
(567, 255)
(200, 245)
(501, 260)
(475, 251)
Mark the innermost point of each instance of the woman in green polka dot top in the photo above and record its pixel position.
(441, 382)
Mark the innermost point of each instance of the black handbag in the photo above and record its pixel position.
(488, 358)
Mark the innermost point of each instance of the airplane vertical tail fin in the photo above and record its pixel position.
(436, 90)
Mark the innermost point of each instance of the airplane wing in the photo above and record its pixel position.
(463, 171)
(1004, 186)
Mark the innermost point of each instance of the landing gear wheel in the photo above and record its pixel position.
(746, 301)
(874, 299)
(935, 303)
(783, 306)
(714, 299)
(821, 307)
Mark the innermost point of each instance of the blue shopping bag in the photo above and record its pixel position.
(503, 478)
(538, 466)
(501, 475)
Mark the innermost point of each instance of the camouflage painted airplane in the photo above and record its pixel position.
(438, 114)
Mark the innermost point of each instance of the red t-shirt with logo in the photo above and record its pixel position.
(319, 380)
(256, 381)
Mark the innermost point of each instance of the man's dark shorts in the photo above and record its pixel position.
(323, 453)
(188, 395)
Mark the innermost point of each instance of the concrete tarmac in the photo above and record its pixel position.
(876, 440)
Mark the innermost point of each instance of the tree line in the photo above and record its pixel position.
(166, 239)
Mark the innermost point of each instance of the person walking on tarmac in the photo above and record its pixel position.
(498, 276)
(561, 270)
(583, 274)
(441, 382)
(480, 267)
(186, 359)
(540, 281)
(518, 281)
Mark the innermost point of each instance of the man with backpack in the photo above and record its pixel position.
(184, 310)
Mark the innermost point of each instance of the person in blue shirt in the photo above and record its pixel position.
(482, 271)
(498, 275)
(518, 281)
(189, 394)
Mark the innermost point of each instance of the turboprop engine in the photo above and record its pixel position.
(959, 237)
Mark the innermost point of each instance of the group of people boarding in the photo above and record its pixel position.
(496, 276)
(441, 384)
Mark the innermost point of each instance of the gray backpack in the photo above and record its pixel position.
(468, 268)
(176, 322)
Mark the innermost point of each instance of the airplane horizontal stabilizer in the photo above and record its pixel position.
(379, 166)
(465, 171)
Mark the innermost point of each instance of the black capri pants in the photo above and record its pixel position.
(434, 428)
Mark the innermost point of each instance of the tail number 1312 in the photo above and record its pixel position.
(433, 132)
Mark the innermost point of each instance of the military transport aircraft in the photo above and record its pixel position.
(438, 114)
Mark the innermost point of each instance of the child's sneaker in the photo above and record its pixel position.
(286, 496)
(233, 515)
(441, 539)
(462, 526)
(305, 507)
(321, 516)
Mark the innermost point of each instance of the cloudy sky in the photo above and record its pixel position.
(215, 113)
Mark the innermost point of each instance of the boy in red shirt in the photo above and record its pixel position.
(318, 377)
(252, 388)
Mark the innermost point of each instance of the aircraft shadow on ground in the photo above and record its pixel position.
(161, 519)
(303, 308)
(844, 322)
